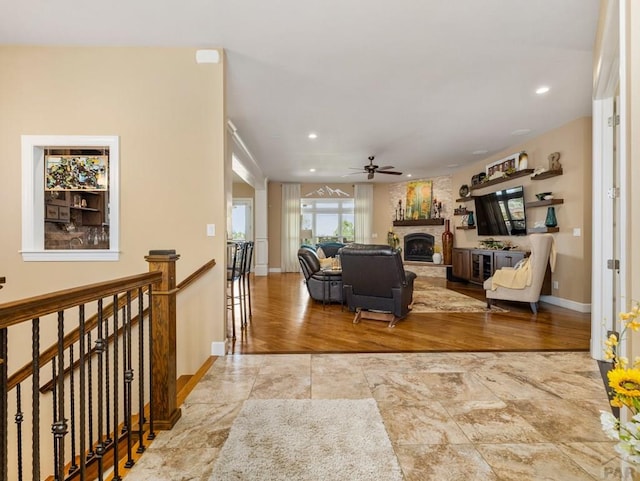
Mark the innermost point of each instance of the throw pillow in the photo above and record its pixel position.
(321, 254)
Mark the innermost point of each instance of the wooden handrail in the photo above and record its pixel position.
(196, 275)
(15, 312)
(25, 371)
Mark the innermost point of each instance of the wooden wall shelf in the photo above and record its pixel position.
(466, 227)
(547, 174)
(408, 223)
(542, 203)
(542, 230)
(515, 175)
(465, 199)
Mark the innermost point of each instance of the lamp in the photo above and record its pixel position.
(306, 235)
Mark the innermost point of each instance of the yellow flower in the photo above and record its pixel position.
(625, 382)
(623, 362)
(616, 403)
(612, 341)
(634, 325)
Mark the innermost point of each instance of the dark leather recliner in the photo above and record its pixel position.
(322, 285)
(374, 279)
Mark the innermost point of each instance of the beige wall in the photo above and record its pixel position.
(169, 114)
(573, 141)
(242, 190)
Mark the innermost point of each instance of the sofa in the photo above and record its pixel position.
(322, 285)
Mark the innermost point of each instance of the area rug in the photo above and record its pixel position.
(431, 298)
(307, 440)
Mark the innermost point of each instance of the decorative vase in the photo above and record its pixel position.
(523, 160)
(470, 220)
(551, 220)
(437, 258)
(447, 244)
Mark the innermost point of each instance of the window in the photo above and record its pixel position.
(327, 220)
(70, 198)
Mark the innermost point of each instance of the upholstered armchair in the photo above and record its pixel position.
(375, 283)
(523, 283)
(323, 285)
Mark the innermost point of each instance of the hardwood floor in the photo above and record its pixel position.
(287, 320)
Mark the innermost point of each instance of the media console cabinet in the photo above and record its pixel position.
(477, 265)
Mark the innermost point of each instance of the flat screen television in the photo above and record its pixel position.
(501, 213)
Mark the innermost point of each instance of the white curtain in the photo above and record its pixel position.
(290, 227)
(363, 213)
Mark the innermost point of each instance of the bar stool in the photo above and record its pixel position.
(235, 258)
(246, 282)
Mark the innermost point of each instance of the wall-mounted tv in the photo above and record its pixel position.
(501, 213)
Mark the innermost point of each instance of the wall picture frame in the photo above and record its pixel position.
(509, 163)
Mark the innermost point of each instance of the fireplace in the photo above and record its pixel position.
(418, 247)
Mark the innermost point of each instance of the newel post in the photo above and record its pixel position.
(163, 351)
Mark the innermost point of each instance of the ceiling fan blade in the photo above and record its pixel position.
(353, 173)
(386, 167)
(392, 172)
(370, 176)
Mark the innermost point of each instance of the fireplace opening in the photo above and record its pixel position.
(418, 247)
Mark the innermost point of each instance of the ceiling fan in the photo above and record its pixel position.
(371, 169)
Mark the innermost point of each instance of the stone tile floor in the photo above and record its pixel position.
(450, 416)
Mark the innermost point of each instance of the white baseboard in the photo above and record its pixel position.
(219, 348)
(566, 303)
(261, 270)
(277, 270)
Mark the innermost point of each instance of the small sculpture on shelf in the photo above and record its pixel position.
(437, 208)
(399, 211)
(554, 161)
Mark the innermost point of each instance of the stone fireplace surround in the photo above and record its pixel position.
(443, 192)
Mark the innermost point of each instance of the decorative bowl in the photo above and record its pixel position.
(548, 197)
(542, 195)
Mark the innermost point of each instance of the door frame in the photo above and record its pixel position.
(610, 208)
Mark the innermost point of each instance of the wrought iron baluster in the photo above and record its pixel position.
(100, 349)
(152, 434)
(54, 417)
(83, 402)
(107, 389)
(35, 398)
(141, 446)
(4, 407)
(116, 398)
(72, 386)
(19, 418)
(59, 427)
(91, 453)
(128, 379)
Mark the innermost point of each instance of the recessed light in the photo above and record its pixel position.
(312, 170)
(542, 90)
(409, 175)
(451, 166)
(313, 135)
(480, 152)
(521, 132)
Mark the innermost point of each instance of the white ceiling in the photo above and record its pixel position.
(420, 84)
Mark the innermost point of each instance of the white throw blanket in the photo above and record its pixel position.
(513, 278)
